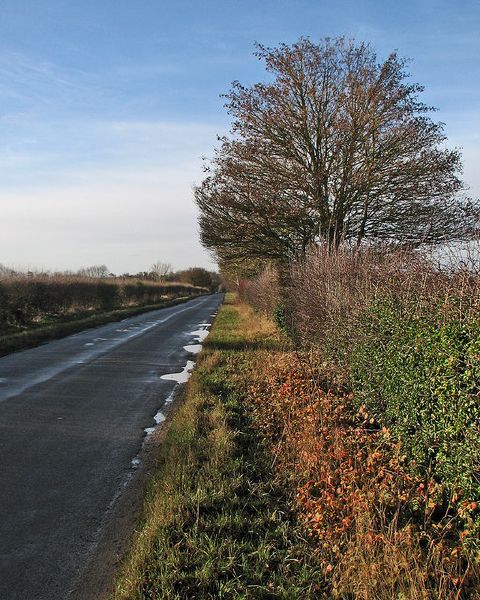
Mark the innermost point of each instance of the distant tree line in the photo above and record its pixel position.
(197, 276)
(159, 272)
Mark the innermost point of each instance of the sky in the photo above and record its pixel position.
(107, 108)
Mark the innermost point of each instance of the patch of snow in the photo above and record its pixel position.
(159, 418)
(200, 334)
(170, 398)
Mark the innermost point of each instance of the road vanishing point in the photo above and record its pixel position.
(73, 414)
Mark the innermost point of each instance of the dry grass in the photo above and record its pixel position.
(216, 525)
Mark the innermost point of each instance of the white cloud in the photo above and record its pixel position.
(127, 221)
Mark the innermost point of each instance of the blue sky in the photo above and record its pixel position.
(107, 107)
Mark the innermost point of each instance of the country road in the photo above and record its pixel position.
(72, 419)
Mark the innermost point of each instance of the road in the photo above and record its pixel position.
(72, 419)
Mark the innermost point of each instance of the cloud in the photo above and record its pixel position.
(127, 221)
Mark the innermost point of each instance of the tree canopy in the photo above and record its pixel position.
(336, 146)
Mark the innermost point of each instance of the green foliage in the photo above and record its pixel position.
(418, 373)
(280, 318)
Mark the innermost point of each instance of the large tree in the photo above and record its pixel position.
(335, 146)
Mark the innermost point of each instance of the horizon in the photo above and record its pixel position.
(108, 111)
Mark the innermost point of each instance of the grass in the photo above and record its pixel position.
(67, 325)
(216, 523)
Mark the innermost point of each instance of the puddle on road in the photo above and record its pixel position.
(183, 376)
(193, 348)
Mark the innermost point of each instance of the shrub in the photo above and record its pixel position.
(404, 333)
(382, 531)
(420, 375)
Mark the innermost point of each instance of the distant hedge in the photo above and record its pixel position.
(24, 300)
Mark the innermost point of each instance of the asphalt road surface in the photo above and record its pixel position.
(72, 419)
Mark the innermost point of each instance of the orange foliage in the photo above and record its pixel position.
(351, 486)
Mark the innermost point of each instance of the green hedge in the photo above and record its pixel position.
(418, 373)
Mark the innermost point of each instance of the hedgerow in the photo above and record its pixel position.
(419, 374)
(402, 335)
(25, 301)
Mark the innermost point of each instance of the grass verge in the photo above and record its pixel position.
(61, 328)
(217, 524)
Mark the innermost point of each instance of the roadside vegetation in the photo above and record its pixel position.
(38, 307)
(332, 207)
(376, 418)
(277, 480)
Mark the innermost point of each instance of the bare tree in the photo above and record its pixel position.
(161, 270)
(337, 146)
(6, 271)
(98, 271)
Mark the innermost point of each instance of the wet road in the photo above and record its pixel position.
(72, 419)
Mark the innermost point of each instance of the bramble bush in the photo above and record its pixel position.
(378, 526)
(419, 374)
